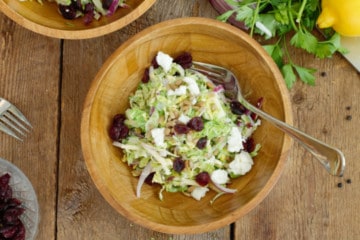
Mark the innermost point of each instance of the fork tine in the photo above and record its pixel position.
(219, 75)
(12, 121)
(10, 124)
(16, 112)
(209, 70)
(213, 75)
(6, 130)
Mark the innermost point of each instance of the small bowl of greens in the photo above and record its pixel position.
(71, 19)
(166, 146)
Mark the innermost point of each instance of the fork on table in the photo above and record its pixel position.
(12, 121)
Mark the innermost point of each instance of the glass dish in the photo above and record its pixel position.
(23, 190)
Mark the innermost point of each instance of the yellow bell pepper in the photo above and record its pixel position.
(342, 15)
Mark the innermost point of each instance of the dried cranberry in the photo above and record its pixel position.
(178, 164)
(249, 145)
(8, 232)
(203, 178)
(201, 143)
(20, 235)
(149, 178)
(185, 60)
(181, 128)
(253, 116)
(11, 215)
(119, 119)
(124, 132)
(146, 76)
(6, 193)
(154, 63)
(118, 132)
(11, 226)
(196, 123)
(78, 4)
(4, 180)
(13, 202)
(114, 132)
(89, 7)
(88, 17)
(106, 3)
(237, 108)
(68, 12)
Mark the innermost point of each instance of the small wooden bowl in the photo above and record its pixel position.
(45, 19)
(208, 41)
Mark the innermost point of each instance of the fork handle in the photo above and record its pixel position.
(330, 157)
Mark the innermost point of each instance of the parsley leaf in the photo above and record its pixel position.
(306, 74)
(329, 47)
(225, 16)
(304, 40)
(244, 13)
(275, 19)
(276, 53)
(289, 75)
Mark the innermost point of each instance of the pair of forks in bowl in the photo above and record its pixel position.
(12, 121)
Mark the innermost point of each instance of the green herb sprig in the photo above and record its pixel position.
(274, 19)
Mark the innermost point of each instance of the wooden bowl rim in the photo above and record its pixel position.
(202, 227)
(76, 34)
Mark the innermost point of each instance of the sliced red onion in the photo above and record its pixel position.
(152, 109)
(144, 174)
(218, 88)
(224, 189)
(114, 5)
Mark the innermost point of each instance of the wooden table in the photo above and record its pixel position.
(48, 80)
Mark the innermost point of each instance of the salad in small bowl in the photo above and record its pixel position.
(181, 131)
(162, 143)
(74, 19)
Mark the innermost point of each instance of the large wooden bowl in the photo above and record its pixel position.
(209, 41)
(45, 19)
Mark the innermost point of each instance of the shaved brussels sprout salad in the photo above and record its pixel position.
(89, 10)
(182, 133)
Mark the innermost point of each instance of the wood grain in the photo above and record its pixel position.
(315, 207)
(29, 78)
(305, 203)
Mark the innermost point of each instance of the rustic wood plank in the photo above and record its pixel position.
(83, 213)
(306, 203)
(29, 76)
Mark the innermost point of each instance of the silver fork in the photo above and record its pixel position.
(330, 157)
(12, 121)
